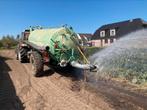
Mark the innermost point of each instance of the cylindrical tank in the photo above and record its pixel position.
(63, 43)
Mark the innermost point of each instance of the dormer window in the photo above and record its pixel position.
(102, 34)
(112, 32)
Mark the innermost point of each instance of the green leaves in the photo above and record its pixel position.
(128, 66)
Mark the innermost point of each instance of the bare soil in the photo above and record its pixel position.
(61, 90)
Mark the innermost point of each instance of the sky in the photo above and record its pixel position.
(85, 16)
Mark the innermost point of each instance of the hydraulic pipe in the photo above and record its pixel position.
(83, 66)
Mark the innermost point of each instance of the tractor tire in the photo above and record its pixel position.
(37, 63)
(22, 55)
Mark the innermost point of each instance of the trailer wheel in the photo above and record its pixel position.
(22, 55)
(37, 63)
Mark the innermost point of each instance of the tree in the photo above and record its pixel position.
(8, 41)
(1, 45)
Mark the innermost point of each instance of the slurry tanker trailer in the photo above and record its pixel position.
(52, 46)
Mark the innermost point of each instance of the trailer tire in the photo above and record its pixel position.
(22, 55)
(37, 63)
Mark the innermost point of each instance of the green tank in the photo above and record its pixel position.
(63, 44)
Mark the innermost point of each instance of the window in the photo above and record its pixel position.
(112, 32)
(144, 26)
(106, 41)
(111, 40)
(102, 34)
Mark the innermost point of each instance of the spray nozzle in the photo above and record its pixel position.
(93, 68)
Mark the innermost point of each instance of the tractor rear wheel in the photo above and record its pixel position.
(22, 55)
(37, 63)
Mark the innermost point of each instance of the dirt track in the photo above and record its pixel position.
(56, 90)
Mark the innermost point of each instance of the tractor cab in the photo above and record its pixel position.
(25, 34)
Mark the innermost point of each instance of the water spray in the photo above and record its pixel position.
(125, 58)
